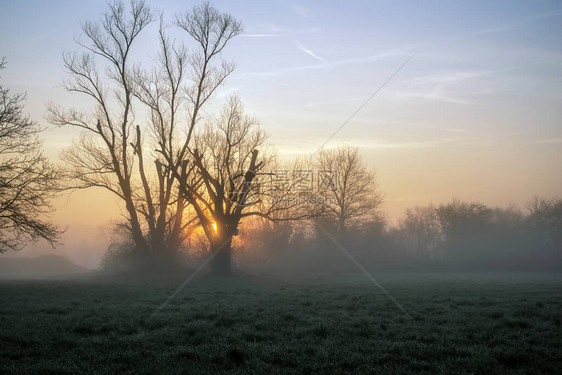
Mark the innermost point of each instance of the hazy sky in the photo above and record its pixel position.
(476, 113)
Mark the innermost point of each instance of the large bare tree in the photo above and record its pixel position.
(144, 165)
(350, 189)
(235, 179)
(103, 156)
(28, 181)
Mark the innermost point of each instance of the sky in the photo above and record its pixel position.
(476, 113)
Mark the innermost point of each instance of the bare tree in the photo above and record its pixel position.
(160, 90)
(231, 181)
(212, 31)
(103, 156)
(350, 189)
(420, 232)
(113, 150)
(544, 223)
(28, 181)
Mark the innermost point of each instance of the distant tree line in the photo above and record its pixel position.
(459, 235)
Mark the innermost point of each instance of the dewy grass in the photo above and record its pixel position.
(461, 324)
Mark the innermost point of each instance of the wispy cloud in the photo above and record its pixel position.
(277, 31)
(309, 52)
(434, 94)
(429, 143)
(550, 141)
(455, 130)
(447, 77)
(387, 144)
(399, 52)
(261, 35)
(449, 87)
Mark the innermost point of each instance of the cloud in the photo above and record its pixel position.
(447, 77)
(449, 87)
(261, 35)
(276, 31)
(331, 64)
(434, 94)
(455, 130)
(309, 52)
(383, 145)
(550, 141)
(271, 31)
(430, 143)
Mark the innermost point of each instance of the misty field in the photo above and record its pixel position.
(460, 324)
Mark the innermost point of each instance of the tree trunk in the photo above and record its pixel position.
(136, 231)
(174, 240)
(158, 242)
(341, 225)
(221, 264)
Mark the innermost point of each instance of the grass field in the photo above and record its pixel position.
(460, 324)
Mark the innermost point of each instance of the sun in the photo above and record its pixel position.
(214, 225)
